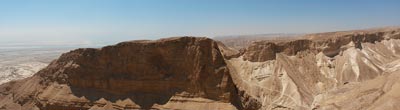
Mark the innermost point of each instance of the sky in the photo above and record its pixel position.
(90, 21)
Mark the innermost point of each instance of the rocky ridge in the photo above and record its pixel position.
(319, 71)
(158, 74)
(299, 74)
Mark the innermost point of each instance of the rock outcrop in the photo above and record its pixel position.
(162, 74)
(298, 74)
(330, 45)
(337, 70)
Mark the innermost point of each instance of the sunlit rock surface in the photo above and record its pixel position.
(173, 73)
(336, 70)
(300, 74)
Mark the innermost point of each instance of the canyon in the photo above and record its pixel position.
(324, 71)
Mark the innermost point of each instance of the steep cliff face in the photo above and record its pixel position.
(329, 45)
(339, 70)
(264, 51)
(160, 74)
(187, 64)
(290, 74)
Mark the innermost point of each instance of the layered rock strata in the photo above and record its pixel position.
(300, 74)
(337, 70)
(162, 74)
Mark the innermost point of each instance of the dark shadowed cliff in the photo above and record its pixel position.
(339, 70)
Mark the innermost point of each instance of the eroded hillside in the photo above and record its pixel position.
(342, 70)
(314, 72)
(174, 73)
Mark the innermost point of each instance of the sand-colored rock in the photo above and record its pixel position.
(173, 73)
(336, 70)
(290, 74)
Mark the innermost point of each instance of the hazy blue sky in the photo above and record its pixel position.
(115, 20)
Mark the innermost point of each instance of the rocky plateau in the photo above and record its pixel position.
(347, 70)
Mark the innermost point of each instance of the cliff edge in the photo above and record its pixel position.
(336, 70)
(161, 74)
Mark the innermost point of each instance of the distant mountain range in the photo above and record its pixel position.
(350, 70)
(240, 41)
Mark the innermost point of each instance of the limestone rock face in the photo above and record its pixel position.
(299, 74)
(336, 70)
(173, 65)
(141, 74)
(263, 51)
(330, 45)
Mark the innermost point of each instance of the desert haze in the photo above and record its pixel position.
(352, 70)
(199, 55)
